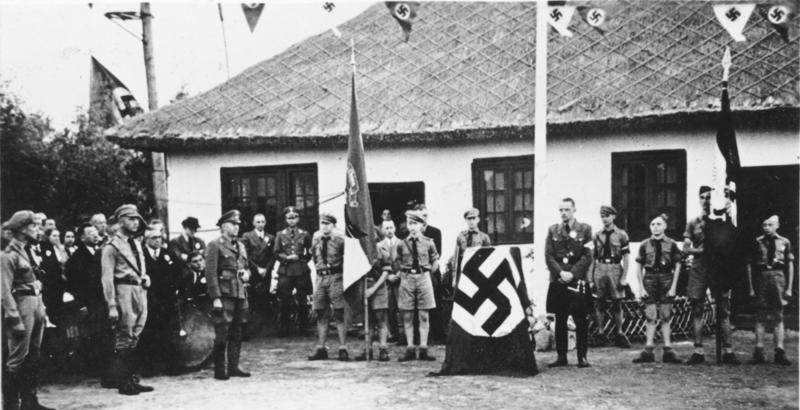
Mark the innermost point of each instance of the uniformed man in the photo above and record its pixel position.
(568, 253)
(327, 250)
(389, 245)
(187, 242)
(377, 294)
(465, 239)
(773, 263)
(292, 248)
(611, 250)
(416, 257)
(659, 262)
(259, 245)
(124, 279)
(23, 315)
(226, 275)
(699, 282)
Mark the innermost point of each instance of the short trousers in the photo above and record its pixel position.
(379, 299)
(657, 285)
(769, 290)
(698, 279)
(416, 291)
(329, 291)
(607, 277)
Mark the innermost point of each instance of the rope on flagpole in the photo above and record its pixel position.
(224, 40)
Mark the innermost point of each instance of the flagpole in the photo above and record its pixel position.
(224, 40)
(540, 196)
(366, 300)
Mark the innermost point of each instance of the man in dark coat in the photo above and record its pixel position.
(187, 242)
(260, 257)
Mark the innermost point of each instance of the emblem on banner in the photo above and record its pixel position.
(559, 17)
(352, 186)
(595, 17)
(778, 14)
(733, 18)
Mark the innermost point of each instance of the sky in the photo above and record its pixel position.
(45, 47)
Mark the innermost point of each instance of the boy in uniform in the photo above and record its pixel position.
(659, 266)
(611, 252)
(465, 239)
(377, 293)
(773, 263)
(416, 258)
(327, 251)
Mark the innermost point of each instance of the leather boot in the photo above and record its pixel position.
(561, 361)
(110, 379)
(131, 359)
(234, 350)
(11, 391)
(125, 379)
(28, 388)
(220, 372)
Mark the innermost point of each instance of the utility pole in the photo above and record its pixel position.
(157, 159)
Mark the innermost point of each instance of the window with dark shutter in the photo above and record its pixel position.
(268, 190)
(645, 184)
(502, 190)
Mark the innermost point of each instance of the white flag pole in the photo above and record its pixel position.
(540, 196)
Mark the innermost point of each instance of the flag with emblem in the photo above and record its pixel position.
(252, 12)
(489, 328)
(733, 18)
(404, 12)
(110, 101)
(779, 17)
(594, 17)
(559, 18)
(360, 242)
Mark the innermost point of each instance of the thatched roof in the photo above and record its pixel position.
(467, 73)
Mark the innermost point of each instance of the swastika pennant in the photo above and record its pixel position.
(559, 17)
(733, 17)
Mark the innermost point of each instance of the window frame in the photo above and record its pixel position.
(507, 165)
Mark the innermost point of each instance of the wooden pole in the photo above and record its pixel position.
(157, 159)
(540, 195)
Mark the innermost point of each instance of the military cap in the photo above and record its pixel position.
(231, 216)
(290, 210)
(704, 189)
(191, 223)
(773, 218)
(415, 216)
(663, 216)
(327, 218)
(608, 210)
(472, 213)
(19, 220)
(128, 211)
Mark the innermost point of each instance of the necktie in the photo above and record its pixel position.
(566, 227)
(414, 254)
(469, 238)
(135, 251)
(770, 242)
(324, 251)
(607, 245)
(657, 245)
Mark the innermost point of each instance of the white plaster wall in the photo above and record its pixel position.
(577, 166)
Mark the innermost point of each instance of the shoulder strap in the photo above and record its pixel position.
(127, 261)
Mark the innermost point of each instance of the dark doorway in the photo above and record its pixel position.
(394, 196)
(768, 190)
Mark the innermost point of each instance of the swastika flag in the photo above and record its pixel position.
(489, 330)
(733, 17)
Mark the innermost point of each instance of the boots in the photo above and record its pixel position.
(234, 350)
(220, 372)
(125, 379)
(28, 384)
(11, 391)
(131, 359)
(560, 362)
(110, 379)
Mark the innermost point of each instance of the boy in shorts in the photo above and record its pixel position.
(416, 258)
(659, 265)
(377, 293)
(772, 259)
(327, 250)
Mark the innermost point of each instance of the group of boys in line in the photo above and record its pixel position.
(580, 264)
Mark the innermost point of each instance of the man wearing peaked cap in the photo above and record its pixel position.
(124, 279)
(292, 248)
(187, 242)
(23, 314)
(611, 250)
(465, 239)
(226, 274)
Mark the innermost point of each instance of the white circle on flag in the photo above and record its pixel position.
(402, 11)
(595, 17)
(778, 14)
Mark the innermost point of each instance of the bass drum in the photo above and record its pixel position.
(196, 341)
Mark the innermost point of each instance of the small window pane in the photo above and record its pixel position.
(500, 202)
(518, 201)
(488, 179)
(518, 182)
(501, 225)
(529, 202)
(489, 203)
(245, 187)
(672, 174)
(500, 181)
(261, 187)
(271, 187)
(528, 179)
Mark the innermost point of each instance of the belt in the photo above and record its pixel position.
(415, 271)
(330, 271)
(25, 292)
(771, 267)
(126, 281)
(658, 270)
(608, 260)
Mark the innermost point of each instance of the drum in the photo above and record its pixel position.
(196, 340)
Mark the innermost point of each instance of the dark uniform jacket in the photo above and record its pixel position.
(164, 272)
(670, 254)
(182, 246)
(18, 277)
(568, 250)
(783, 252)
(193, 285)
(53, 282)
(259, 250)
(224, 260)
(334, 256)
(618, 244)
(83, 275)
(293, 242)
(426, 254)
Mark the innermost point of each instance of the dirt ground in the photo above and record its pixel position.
(284, 379)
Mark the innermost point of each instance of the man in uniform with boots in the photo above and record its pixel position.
(293, 250)
(23, 315)
(226, 275)
(568, 254)
(125, 280)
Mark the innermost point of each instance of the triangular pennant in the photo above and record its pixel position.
(252, 12)
(733, 17)
(329, 7)
(404, 13)
(559, 17)
(594, 16)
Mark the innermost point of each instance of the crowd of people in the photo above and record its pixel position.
(129, 284)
